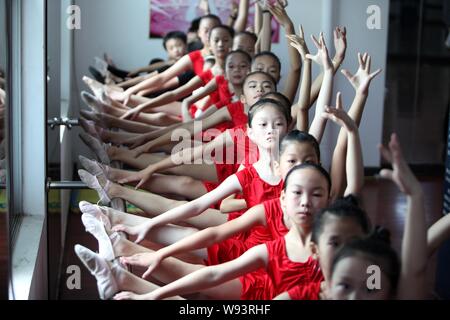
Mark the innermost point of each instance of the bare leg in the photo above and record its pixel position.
(127, 125)
(154, 205)
(126, 281)
(172, 269)
(115, 137)
(202, 172)
(172, 108)
(134, 81)
(162, 184)
(150, 203)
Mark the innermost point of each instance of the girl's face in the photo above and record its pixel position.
(237, 68)
(255, 87)
(336, 231)
(268, 127)
(306, 193)
(204, 28)
(176, 48)
(220, 42)
(244, 42)
(349, 281)
(267, 64)
(294, 154)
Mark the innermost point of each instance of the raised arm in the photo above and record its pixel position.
(322, 58)
(300, 110)
(258, 26)
(242, 16)
(293, 77)
(202, 239)
(438, 233)
(354, 162)
(186, 211)
(211, 276)
(414, 244)
(265, 35)
(340, 45)
(360, 82)
(176, 159)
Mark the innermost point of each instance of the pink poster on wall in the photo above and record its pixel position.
(170, 15)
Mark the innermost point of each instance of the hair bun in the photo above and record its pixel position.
(351, 199)
(381, 234)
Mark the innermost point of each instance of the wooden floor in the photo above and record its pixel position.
(381, 199)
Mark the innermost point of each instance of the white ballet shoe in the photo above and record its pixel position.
(93, 183)
(95, 86)
(97, 229)
(92, 102)
(89, 127)
(93, 167)
(101, 65)
(95, 211)
(106, 283)
(97, 147)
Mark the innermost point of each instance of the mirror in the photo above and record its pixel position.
(4, 212)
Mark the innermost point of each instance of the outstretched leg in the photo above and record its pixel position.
(150, 203)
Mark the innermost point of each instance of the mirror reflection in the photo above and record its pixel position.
(4, 212)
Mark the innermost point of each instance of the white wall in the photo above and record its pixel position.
(123, 30)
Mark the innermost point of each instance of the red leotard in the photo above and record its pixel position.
(224, 91)
(254, 189)
(274, 229)
(283, 273)
(243, 151)
(309, 291)
(234, 247)
(197, 61)
(238, 118)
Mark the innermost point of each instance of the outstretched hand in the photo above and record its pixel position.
(362, 78)
(400, 174)
(278, 11)
(339, 116)
(132, 114)
(142, 176)
(340, 42)
(265, 4)
(149, 260)
(321, 57)
(299, 43)
(140, 231)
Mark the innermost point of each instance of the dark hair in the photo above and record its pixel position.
(345, 207)
(278, 96)
(247, 33)
(270, 54)
(224, 27)
(174, 35)
(194, 25)
(317, 167)
(374, 248)
(242, 52)
(300, 137)
(263, 73)
(262, 103)
(209, 16)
